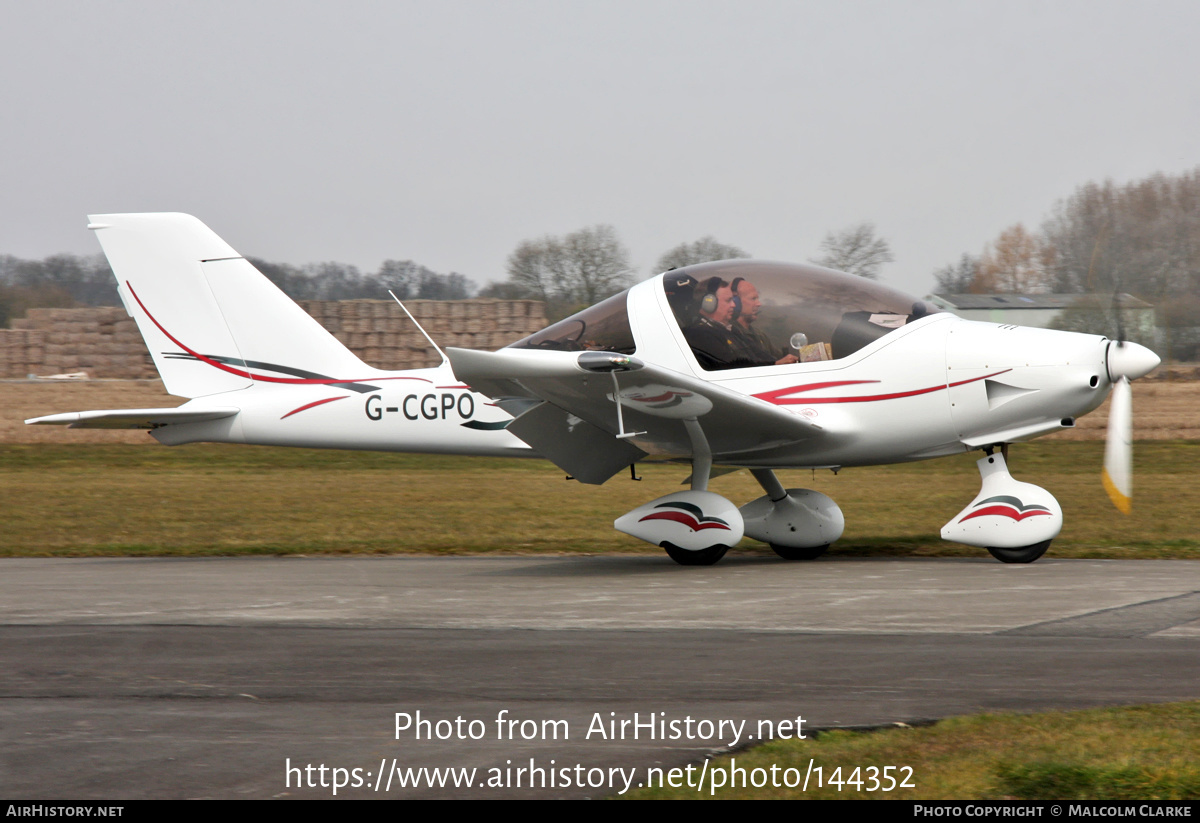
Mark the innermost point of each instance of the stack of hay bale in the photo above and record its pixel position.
(22, 351)
(104, 341)
(379, 333)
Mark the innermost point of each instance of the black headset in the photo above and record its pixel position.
(709, 302)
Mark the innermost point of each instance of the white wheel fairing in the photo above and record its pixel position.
(1006, 514)
(803, 519)
(688, 520)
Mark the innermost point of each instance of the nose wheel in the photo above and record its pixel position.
(1022, 554)
(1014, 521)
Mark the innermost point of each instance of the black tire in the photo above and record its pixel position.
(703, 557)
(802, 553)
(1023, 554)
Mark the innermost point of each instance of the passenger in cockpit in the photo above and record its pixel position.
(714, 336)
(756, 344)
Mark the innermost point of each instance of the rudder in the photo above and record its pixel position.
(213, 322)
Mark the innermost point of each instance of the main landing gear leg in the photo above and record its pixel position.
(701, 472)
(798, 524)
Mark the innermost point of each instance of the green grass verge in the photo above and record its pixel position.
(1142, 752)
(59, 500)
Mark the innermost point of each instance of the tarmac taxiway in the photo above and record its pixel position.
(132, 678)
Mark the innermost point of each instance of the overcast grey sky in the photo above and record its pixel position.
(447, 132)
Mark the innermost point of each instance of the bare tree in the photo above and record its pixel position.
(577, 269)
(65, 280)
(594, 264)
(1016, 263)
(855, 250)
(16, 300)
(700, 251)
(504, 290)
(957, 278)
(409, 280)
(534, 269)
(338, 281)
(1143, 237)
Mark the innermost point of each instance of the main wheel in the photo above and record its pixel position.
(703, 557)
(795, 553)
(1023, 554)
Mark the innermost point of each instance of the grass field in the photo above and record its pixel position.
(89, 499)
(1143, 752)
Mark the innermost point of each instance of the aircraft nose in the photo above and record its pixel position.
(1130, 360)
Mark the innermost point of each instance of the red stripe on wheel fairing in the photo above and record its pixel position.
(685, 519)
(1002, 511)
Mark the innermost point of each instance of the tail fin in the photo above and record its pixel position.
(213, 322)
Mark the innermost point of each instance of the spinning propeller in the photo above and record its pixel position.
(1126, 361)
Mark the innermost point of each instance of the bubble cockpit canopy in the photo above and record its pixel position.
(738, 313)
(745, 313)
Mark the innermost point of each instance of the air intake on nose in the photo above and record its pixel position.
(999, 393)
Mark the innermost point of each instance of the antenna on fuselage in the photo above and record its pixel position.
(420, 328)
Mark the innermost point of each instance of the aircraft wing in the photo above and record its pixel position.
(564, 407)
(130, 418)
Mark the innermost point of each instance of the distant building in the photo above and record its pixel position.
(1042, 310)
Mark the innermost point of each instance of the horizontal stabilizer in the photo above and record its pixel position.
(130, 418)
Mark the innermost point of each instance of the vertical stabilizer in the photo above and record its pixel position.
(213, 322)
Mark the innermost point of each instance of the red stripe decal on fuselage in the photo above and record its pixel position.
(313, 404)
(780, 397)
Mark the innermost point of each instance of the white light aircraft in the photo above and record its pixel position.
(690, 366)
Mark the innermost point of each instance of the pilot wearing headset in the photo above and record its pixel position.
(713, 336)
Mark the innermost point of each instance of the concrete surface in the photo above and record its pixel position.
(129, 678)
